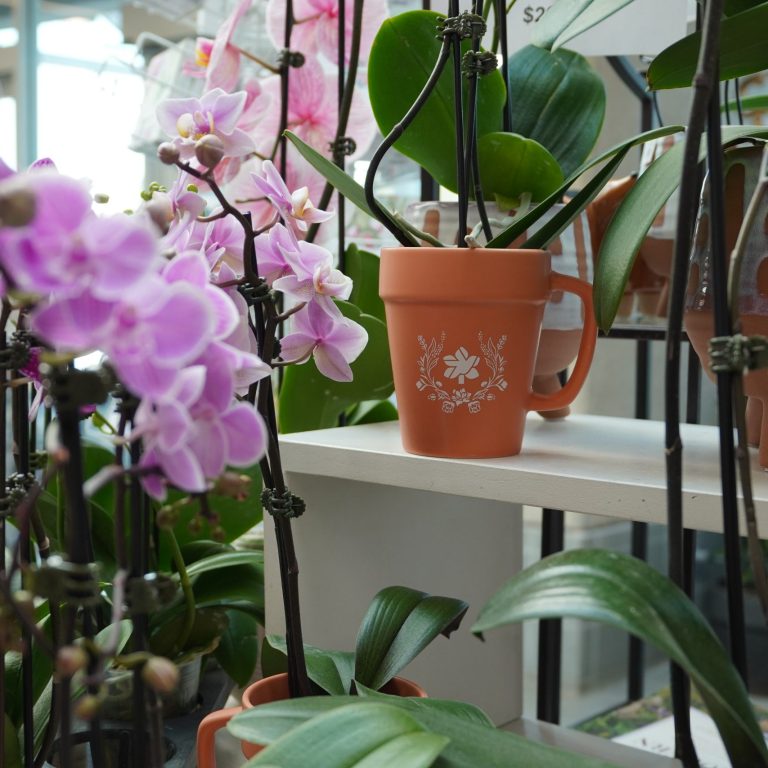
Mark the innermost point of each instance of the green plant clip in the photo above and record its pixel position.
(285, 505)
(738, 353)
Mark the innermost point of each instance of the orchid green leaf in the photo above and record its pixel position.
(632, 220)
(363, 268)
(238, 649)
(512, 166)
(404, 53)
(626, 593)
(742, 52)
(559, 101)
(473, 743)
(368, 736)
(568, 18)
(399, 624)
(331, 670)
(503, 239)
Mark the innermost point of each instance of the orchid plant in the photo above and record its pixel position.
(180, 299)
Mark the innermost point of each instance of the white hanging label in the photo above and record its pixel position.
(643, 27)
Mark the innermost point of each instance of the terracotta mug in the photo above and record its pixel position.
(464, 327)
(264, 691)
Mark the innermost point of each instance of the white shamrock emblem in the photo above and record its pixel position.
(461, 365)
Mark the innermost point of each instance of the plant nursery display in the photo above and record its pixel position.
(149, 358)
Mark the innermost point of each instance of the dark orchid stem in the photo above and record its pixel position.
(289, 567)
(471, 164)
(395, 134)
(737, 92)
(21, 454)
(501, 28)
(703, 84)
(3, 475)
(121, 546)
(738, 645)
(458, 109)
(337, 150)
(285, 70)
(345, 103)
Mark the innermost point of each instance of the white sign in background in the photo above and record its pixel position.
(642, 27)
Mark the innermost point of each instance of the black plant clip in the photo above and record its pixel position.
(17, 486)
(478, 63)
(254, 293)
(60, 581)
(465, 25)
(72, 389)
(288, 58)
(284, 505)
(16, 355)
(341, 147)
(738, 353)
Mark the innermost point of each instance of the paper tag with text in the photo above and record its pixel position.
(642, 27)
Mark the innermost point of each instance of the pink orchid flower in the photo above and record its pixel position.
(332, 339)
(312, 111)
(216, 113)
(223, 69)
(317, 26)
(295, 207)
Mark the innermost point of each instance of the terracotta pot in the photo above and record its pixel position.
(741, 169)
(563, 320)
(463, 329)
(264, 691)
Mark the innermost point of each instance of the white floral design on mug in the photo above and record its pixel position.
(461, 367)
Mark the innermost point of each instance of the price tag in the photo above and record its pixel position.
(643, 27)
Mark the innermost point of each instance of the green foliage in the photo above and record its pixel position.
(503, 239)
(512, 166)
(375, 736)
(398, 625)
(742, 51)
(473, 742)
(568, 18)
(309, 400)
(238, 650)
(11, 747)
(372, 412)
(632, 220)
(363, 268)
(558, 100)
(628, 594)
(402, 57)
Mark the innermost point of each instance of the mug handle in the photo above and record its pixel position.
(206, 735)
(567, 394)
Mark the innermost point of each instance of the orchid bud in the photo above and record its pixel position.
(209, 150)
(70, 659)
(168, 153)
(160, 674)
(167, 516)
(17, 206)
(88, 707)
(233, 486)
(195, 526)
(218, 534)
(101, 198)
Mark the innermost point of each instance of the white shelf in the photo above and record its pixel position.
(594, 464)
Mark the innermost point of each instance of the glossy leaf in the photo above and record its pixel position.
(226, 560)
(568, 18)
(513, 231)
(748, 104)
(340, 181)
(309, 400)
(331, 670)
(371, 736)
(632, 220)
(742, 52)
(209, 625)
(238, 650)
(399, 624)
(472, 744)
(363, 268)
(559, 100)
(626, 593)
(404, 53)
(733, 7)
(512, 166)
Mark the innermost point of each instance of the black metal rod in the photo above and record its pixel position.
(550, 630)
(458, 111)
(3, 475)
(340, 205)
(500, 11)
(731, 540)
